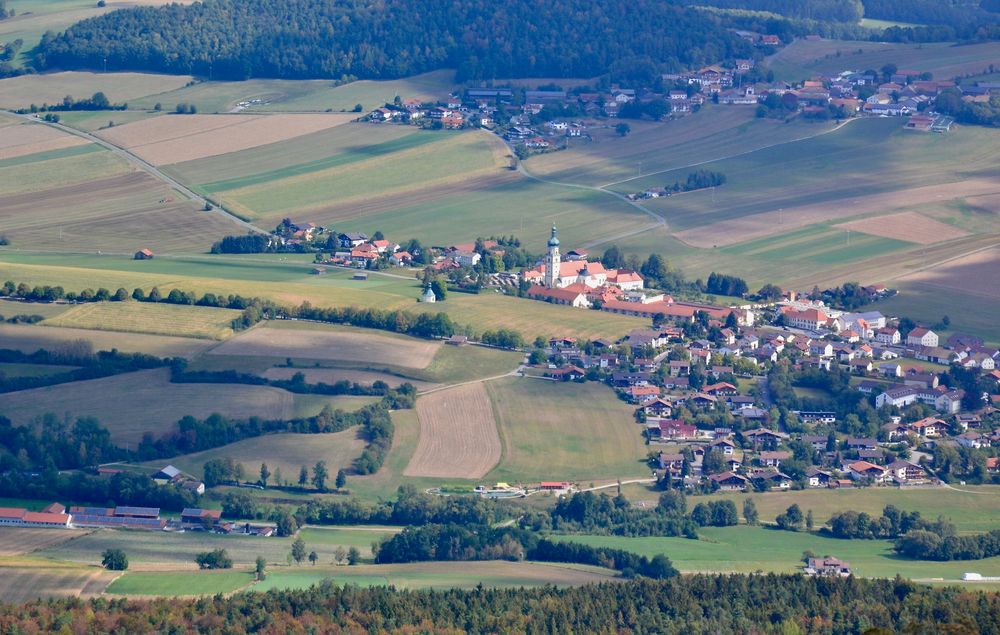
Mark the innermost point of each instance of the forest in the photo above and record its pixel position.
(681, 604)
(296, 39)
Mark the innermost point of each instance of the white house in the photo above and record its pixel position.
(921, 336)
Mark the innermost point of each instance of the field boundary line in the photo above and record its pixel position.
(147, 168)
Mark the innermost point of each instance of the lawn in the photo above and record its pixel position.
(158, 319)
(748, 549)
(174, 583)
(564, 431)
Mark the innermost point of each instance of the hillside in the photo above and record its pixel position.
(238, 39)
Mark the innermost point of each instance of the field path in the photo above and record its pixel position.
(145, 167)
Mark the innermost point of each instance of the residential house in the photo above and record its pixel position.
(818, 478)
(859, 470)
(921, 336)
(730, 481)
(906, 472)
(827, 566)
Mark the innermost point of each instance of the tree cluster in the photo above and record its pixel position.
(893, 523)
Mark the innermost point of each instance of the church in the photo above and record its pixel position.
(576, 281)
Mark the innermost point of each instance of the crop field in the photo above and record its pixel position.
(26, 584)
(327, 342)
(711, 133)
(286, 452)
(151, 551)
(177, 138)
(907, 226)
(458, 434)
(179, 583)
(16, 541)
(94, 120)
(819, 243)
(28, 138)
(564, 431)
(142, 317)
(748, 549)
(146, 401)
(290, 283)
(439, 575)
(57, 169)
(21, 92)
(802, 59)
(30, 338)
(10, 308)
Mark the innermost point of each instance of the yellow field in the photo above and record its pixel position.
(147, 317)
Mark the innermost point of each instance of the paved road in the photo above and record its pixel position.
(147, 168)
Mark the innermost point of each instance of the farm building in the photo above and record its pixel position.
(143, 254)
(20, 517)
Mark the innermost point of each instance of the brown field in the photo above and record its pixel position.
(977, 274)
(458, 434)
(16, 541)
(177, 138)
(125, 212)
(908, 226)
(330, 343)
(26, 584)
(28, 138)
(333, 375)
(146, 401)
(19, 92)
(30, 338)
(738, 230)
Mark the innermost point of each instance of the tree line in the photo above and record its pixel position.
(76, 353)
(822, 10)
(297, 39)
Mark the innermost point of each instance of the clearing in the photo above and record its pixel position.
(908, 226)
(177, 138)
(30, 338)
(29, 138)
(148, 317)
(146, 401)
(16, 541)
(458, 434)
(306, 340)
(564, 431)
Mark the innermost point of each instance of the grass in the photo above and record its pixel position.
(32, 370)
(158, 319)
(48, 155)
(172, 583)
(564, 431)
(50, 88)
(10, 308)
(91, 121)
(67, 167)
(748, 549)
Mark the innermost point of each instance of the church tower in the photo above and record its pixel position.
(552, 262)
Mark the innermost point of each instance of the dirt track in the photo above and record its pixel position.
(458, 434)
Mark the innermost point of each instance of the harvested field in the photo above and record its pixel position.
(28, 138)
(333, 375)
(20, 92)
(26, 584)
(142, 317)
(330, 343)
(976, 274)
(458, 434)
(738, 230)
(177, 138)
(30, 338)
(16, 541)
(146, 401)
(908, 226)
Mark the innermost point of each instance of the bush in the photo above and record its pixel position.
(114, 560)
(215, 559)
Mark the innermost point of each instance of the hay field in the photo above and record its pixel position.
(28, 138)
(146, 401)
(564, 431)
(908, 226)
(327, 342)
(20, 92)
(333, 375)
(26, 584)
(16, 541)
(142, 317)
(178, 138)
(286, 452)
(30, 338)
(23, 175)
(802, 58)
(458, 434)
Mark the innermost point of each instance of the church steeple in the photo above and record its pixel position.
(552, 262)
(553, 241)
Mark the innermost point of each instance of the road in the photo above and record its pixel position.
(147, 168)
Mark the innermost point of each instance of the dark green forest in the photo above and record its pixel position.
(238, 39)
(684, 604)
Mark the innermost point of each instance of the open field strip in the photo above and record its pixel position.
(555, 431)
(458, 434)
(9, 308)
(27, 138)
(24, 585)
(16, 541)
(146, 401)
(178, 138)
(386, 482)
(142, 317)
(21, 92)
(176, 584)
(908, 226)
(291, 283)
(20, 178)
(286, 452)
(745, 549)
(33, 370)
(30, 338)
(329, 342)
(333, 375)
